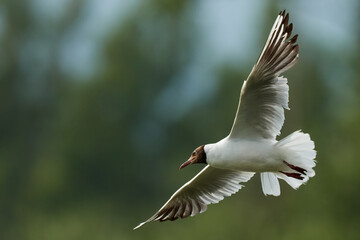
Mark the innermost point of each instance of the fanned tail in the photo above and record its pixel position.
(299, 162)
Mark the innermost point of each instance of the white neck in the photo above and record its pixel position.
(209, 151)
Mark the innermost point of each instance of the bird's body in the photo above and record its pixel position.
(245, 155)
(251, 145)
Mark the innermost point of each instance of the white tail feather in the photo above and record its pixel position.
(300, 152)
(270, 184)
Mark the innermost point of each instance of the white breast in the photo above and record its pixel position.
(244, 155)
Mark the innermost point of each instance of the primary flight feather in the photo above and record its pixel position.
(251, 145)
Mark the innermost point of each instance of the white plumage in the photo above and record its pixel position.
(251, 145)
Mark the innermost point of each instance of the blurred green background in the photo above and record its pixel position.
(102, 100)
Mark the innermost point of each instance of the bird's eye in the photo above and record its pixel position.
(194, 153)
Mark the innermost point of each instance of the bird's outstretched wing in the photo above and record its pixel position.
(210, 185)
(264, 95)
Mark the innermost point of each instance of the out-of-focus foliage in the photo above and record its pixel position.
(91, 157)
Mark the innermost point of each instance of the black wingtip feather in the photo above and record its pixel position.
(294, 38)
(289, 30)
(286, 20)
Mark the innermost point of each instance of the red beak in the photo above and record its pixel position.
(185, 164)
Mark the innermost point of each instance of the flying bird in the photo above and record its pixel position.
(251, 147)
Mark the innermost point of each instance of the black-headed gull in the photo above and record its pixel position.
(251, 145)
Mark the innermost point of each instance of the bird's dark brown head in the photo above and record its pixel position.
(197, 156)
